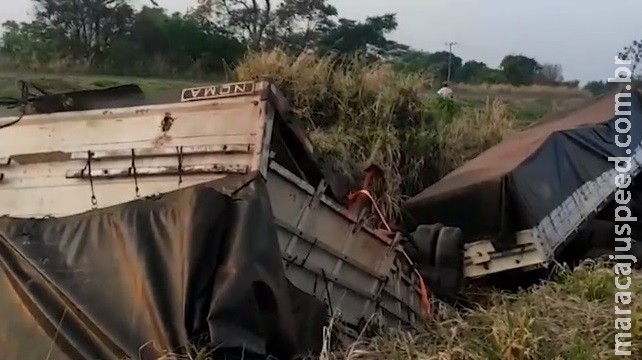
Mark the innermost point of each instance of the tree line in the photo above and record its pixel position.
(112, 36)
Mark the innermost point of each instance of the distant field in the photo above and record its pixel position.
(529, 103)
(538, 91)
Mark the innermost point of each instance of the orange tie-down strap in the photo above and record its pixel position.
(425, 297)
(424, 291)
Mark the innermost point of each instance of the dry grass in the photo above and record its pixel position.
(529, 103)
(360, 114)
(476, 129)
(539, 91)
(569, 319)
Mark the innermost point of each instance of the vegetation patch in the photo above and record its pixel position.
(361, 113)
(571, 318)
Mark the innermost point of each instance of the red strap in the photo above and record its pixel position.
(425, 297)
(423, 288)
(367, 194)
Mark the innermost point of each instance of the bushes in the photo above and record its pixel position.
(361, 113)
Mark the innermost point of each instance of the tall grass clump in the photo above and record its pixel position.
(361, 113)
(569, 319)
(473, 131)
(358, 114)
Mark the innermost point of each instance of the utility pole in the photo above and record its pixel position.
(450, 55)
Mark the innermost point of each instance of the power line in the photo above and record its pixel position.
(450, 55)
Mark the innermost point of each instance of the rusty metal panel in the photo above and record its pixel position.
(328, 255)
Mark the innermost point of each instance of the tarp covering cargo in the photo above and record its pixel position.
(153, 274)
(523, 182)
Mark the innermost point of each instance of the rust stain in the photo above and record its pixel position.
(165, 170)
(165, 125)
(162, 140)
(167, 122)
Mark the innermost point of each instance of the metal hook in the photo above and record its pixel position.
(94, 201)
(135, 173)
(179, 150)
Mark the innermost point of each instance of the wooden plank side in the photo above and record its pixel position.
(74, 196)
(44, 189)
(203, 141)
(199, 125)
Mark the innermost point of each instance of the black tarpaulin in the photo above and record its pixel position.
(525, 178)
(154, 274)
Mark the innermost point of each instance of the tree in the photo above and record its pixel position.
(299, 24)
(519, 69)
(348, 37)
(413, 61)
(104, 34)
(492, 76)
(552, 74)
(632, 52)
(435, 63)
(600, 87)
(179, 41)
(250, 18)
(84, 27)
(573, 84)
(473, 71)
(24, 42)
(439, 65)
(292, 24)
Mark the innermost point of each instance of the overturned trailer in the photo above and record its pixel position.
(539, 195)
(132, 229)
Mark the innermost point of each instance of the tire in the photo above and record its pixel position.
(449, 261)
(424, 244)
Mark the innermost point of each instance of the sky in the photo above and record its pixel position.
(581, 35)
